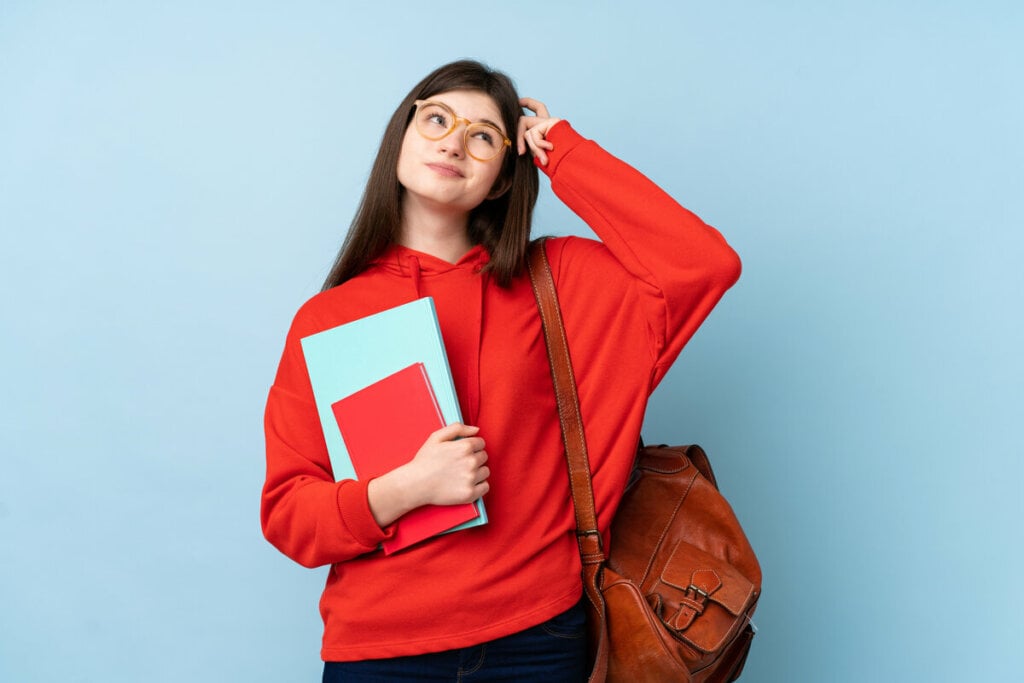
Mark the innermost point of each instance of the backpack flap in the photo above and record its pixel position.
(701, 598)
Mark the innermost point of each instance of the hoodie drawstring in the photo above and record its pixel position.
(417, 275)
(474, 407)
(470, 321)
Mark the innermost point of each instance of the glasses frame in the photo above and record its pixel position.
(456, 120)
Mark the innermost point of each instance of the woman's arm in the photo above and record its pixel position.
(304, 513)
(679, 266)
(316, 521)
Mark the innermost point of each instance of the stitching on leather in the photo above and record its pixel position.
(538, 287)
(664, 531)
(544, 289)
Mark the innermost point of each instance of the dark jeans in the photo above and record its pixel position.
(553, 651)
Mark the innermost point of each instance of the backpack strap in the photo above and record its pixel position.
(588, 536)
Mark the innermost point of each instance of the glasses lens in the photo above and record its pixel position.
(484, 141)
(433, 121)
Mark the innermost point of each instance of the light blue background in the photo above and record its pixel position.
(175, 179)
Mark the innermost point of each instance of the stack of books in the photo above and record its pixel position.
(382, 385)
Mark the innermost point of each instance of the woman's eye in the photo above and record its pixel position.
(438, 119)
(485, 137)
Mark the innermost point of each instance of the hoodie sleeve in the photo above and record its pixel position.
(681, 267)
(304, 513)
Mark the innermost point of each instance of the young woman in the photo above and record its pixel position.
(446, 214)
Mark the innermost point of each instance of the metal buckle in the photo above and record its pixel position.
(592, 532)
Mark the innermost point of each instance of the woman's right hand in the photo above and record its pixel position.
(449, 469)
(532, 133)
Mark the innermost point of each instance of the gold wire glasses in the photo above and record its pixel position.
(483, 141)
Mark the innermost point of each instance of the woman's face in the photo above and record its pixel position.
(440, 174)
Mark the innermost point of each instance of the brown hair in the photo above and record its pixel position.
(501, 224)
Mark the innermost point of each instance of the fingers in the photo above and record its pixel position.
(455, 430)
(536, 106)
(478, 474)
(532, 130)
(460, 439)
(474, 472)
(450, 467)
(531, 137)
(538, 145)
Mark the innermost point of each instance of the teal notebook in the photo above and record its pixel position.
(350, 357)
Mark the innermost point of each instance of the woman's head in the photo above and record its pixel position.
(452, 156)
(501, 222)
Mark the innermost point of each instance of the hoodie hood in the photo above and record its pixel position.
(417, 265)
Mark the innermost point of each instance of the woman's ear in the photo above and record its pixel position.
(501, 186)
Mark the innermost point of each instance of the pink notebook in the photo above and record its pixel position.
(383, 426)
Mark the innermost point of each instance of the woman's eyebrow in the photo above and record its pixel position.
(487, 121)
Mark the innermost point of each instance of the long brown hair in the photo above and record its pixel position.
(501, 224)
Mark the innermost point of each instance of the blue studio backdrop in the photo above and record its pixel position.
(175, 179)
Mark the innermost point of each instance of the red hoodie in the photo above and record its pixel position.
(630, 303)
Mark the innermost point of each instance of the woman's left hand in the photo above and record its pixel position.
(534, 129)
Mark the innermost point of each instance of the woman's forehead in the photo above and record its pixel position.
(471, 104)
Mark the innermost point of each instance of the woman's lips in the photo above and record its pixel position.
(446, 170)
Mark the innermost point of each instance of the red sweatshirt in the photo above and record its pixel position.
(630, 303)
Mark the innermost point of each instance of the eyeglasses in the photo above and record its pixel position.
(436, 120)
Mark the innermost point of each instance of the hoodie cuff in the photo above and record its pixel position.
(565, 139)
(356, 516)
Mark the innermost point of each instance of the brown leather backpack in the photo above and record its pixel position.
(674, 599)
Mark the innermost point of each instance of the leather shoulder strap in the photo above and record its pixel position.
(587, 535)
(591, 550)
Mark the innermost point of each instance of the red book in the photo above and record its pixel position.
(383, 426)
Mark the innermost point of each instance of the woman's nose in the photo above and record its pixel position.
(454, 142)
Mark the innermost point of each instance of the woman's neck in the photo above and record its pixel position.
(443, 235)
